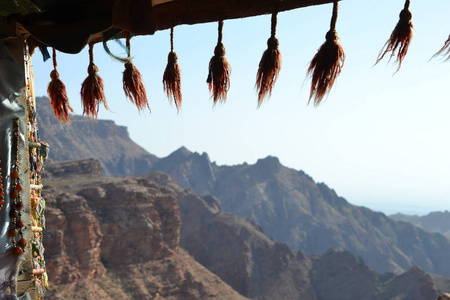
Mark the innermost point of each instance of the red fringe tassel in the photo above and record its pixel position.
(133, 85)
(269, 66)
(219, 71)
(58, 95)
(92, 93)
(172, 76)
(400, 38)
(327, 64)
(445, 50)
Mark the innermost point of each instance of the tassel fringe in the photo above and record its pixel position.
(219, 71)
(269, 66)
(58, 95)
(92, 93)
(133, 85)
(327, 64)
(400, 38)
(172, 76)
(445, 50)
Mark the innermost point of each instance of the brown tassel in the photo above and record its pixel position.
(327, 64)
(92, 93)
(219, 71)
(270, 64)
(172, 76)
(445, 50)
(58, 95)
(400, 38)
(132, 82)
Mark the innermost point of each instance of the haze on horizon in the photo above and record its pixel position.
(379, 140)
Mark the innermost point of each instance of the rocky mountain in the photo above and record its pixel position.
(114, 238)
(288, 205)
(308, 216)
(117, 238)
(100, 139)
(437, 221)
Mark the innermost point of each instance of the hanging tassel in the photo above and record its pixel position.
(58, 95)
(172, 76)
(92, 93)
(327, 64)
(445, 50)
(270, 64)
(219, 71)
(400, 38)
(132, 82)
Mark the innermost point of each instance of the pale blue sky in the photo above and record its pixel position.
(379, 140)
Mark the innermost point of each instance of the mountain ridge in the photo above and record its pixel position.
(288, 205)
(436, 221)
(106, 213)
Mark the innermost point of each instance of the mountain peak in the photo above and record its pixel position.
(271, 161)
(182, 151)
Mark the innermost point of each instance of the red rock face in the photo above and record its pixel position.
(72, 240)
(115, 238)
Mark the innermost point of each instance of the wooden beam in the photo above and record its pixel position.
(190, 12)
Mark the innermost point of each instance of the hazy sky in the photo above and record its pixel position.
(379, 140)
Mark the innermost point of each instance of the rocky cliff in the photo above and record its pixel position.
(113, 238)
(100, 139)
(260, 268)
(118, 238)
(308, 216)
(288, 205)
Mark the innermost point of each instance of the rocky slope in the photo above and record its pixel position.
(288, 205)
(99, 139)
(437, 221)
(114, 238)
(117, 238)
(291, 208)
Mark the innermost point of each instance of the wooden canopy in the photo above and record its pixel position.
(68, 25)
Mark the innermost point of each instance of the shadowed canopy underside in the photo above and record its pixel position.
(69, 25)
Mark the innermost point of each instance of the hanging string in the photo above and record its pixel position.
(219, 70)
(133, 85)
(172, 76)
(400, 38)
(270, 64)
(327, 64)
(92, 93)
(58, 95)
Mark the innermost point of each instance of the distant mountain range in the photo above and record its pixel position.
(117, 238)
(293, 209)
(437, 221)
(286, 204)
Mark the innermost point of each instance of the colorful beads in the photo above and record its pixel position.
(15, 175)
(12, 233)
(18, 250)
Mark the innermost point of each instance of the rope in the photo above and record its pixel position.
(55, 63)
(274, 24)
(128, 44)
(91, 53)
(335, 15)
(220, 32)
(171, 39)
(407, 4)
